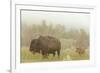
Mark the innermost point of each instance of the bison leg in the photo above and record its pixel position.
(53, 54)
(44, 54)
(80, 53)
(58, 52)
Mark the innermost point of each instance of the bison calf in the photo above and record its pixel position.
(80, 51)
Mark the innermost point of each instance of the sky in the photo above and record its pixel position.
(69, 20)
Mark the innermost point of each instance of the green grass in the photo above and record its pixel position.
(66, 55)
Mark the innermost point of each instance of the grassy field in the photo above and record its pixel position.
(66, 55)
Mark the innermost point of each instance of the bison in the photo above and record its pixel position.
(80, 51)
(46, 45)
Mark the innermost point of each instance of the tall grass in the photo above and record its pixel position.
(66, 55)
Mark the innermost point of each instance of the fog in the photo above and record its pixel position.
(69, 20)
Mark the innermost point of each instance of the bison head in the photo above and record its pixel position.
(34, 46)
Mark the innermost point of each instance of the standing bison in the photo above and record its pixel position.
(80, 51)
(46, 45)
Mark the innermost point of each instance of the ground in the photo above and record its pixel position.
(66, 55)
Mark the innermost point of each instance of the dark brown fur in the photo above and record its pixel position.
(47, 45)
(34, 47)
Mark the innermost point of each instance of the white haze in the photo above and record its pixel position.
(69, 20)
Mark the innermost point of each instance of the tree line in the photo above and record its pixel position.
(29, 32)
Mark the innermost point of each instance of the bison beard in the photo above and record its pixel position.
(46, 45)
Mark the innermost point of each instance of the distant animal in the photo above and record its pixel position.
(46, 45)
(80, 51)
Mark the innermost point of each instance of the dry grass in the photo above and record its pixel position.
(66, 55)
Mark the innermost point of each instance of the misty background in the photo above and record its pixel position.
(71, 28)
